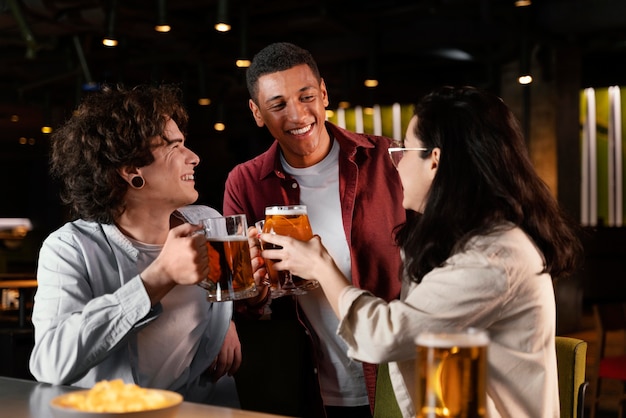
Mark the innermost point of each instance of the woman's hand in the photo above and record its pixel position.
(309, 260)
(306, 259)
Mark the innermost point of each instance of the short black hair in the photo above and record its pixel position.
(279, 56)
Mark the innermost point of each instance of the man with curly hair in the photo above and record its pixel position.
(117, 295)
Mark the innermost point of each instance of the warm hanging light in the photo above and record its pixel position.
(220, 125)
(525, 79)
(110, 39)
(243, 61)
(523, 3)
(371, 81)
(203, 97)
(162, 25)
(525, 76)
(222, 23)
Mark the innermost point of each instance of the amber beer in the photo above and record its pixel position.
(451, 372)
(230, 270)
(292, 221)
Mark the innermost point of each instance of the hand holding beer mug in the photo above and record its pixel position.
(451, 374)
(230, 270)
(291, 221)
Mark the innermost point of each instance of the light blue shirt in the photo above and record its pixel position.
(91, 303)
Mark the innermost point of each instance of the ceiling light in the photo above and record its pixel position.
(522, 3)
(371, 82)
(162, 25)
(162, 28)
(204, 101)
(110, 39)
(222, 23)
(525, 79)
(243, 61)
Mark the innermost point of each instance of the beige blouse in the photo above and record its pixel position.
(493, 283)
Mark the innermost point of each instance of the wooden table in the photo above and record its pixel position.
(30, 399)
(22, 285)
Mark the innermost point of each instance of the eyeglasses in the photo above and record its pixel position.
(397, 153)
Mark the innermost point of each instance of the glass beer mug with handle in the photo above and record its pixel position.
(293, 221)
(230, 269)
(451, 374)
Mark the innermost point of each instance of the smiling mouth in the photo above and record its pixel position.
(301, 131)
(187, 177)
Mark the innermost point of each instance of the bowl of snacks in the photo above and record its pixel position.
(116, 399)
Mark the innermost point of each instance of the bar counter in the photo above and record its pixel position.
(29, 399)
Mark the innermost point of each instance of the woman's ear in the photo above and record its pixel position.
(434, 161)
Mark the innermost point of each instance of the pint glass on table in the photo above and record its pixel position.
(293, 221)
(451, 373)
(230, 270)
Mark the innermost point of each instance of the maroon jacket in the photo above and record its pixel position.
(371, 202)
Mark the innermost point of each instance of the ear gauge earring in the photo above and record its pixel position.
(137, 182)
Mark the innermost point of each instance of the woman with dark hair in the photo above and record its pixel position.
(116, 294)
(480, 250)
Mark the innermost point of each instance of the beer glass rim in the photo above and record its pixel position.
(237, 215)
(446, 338)
(226, 234)
(286, 210)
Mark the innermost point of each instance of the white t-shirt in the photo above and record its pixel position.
(182, 320)
(341, 378)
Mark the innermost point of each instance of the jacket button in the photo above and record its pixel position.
(294, 185)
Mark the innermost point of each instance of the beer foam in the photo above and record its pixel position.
(470, 338)
(286, 210)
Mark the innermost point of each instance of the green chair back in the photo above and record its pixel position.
(385, 404)
(571, 354)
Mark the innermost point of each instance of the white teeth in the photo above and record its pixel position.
(301, 130)
(187, 177)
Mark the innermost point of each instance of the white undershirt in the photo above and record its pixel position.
(182, 323)
(341, 378)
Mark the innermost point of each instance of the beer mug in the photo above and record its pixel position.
(451, 374)
(230, 270)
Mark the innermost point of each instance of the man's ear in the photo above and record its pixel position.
(325, 98)
(128, 173)
(256, 113)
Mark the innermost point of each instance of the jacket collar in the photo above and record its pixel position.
(349, 143)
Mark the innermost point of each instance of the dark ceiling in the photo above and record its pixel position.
(49, 49)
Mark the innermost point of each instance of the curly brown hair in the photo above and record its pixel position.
(113, 128)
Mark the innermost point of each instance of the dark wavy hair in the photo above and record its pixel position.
(112, 128)
(279, 56)
(484, 179)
